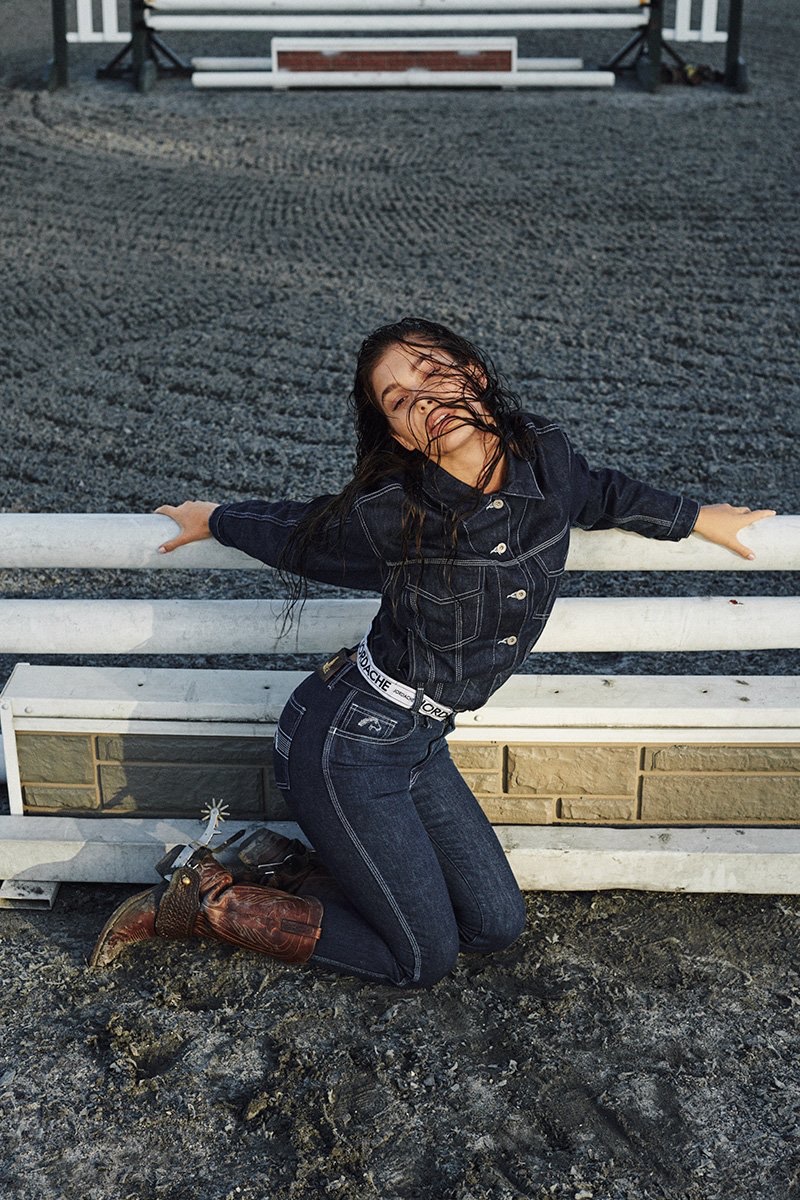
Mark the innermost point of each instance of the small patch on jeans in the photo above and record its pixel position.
(371, 723)
(360, 722)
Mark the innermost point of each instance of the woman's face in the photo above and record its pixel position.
(421, 392)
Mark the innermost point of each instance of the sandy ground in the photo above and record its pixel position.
(185, 280)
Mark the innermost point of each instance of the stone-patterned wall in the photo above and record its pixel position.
(150, 775)
(516, 784)
(664, 784)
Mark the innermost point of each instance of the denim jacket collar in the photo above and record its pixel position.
(443, 487)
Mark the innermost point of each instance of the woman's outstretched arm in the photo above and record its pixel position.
(263, 529)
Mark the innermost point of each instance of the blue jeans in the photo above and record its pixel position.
(416, 871)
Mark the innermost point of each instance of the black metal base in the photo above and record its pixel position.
(643, 54)
(637, 56)
(159, 60)
(736, 75)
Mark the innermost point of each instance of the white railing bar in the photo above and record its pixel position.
(581, 624)
(389, 24)
(413, 78)
(130, 541)
(265, 64)
(324, 7)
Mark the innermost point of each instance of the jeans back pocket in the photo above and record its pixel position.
(290, 718)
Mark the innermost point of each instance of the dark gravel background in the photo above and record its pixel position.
(186, 278)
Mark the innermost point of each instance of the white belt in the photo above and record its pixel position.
(399, 693)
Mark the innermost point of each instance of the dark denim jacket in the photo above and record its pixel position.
(458, 629)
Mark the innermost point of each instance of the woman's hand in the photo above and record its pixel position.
(721, 523)
(192, 516)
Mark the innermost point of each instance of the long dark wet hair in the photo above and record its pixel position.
(481, 399)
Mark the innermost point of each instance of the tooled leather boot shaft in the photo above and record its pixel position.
(257, 918)
(202, 901)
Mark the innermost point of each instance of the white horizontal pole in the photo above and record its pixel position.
(745, 860)
(412, 78)
(391, 23)
(265, 64)
(252, 626)
(100, 541)
(350, 6)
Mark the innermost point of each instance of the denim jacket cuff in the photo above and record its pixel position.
(685, 518)
(214, 523)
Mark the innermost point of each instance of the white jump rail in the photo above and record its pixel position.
(609, 709)
(151, 18)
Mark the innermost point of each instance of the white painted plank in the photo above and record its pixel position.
(94, 850)
(28, 894)
(462, 45)
(415, 77)
(551, 858)
(131, 541)
(36, 695)
(596, 701)
(741, 860)
(253, 626)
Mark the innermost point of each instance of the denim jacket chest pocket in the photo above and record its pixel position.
(444, 604)
(551, 555)
(545, 567)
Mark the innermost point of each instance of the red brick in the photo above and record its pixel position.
(393, 60)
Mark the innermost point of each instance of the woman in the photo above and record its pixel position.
(459, 513)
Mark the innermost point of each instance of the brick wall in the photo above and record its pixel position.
(393, 60)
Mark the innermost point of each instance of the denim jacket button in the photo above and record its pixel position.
(496, 504)
(500, 548)
(520, 594)
(509, 641)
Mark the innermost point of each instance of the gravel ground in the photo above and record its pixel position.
(186, 278)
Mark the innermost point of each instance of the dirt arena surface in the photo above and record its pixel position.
(185, 280)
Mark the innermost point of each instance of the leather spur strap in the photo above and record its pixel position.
(179, 905)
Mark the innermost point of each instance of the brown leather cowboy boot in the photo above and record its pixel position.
(201, 900)
(266, 857)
